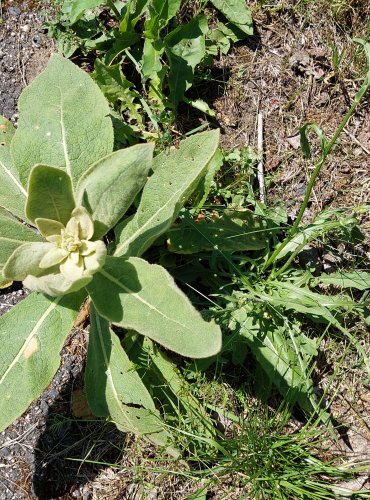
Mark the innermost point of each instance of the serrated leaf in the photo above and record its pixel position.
(286, 360)
(12, 193)
(50, 194)
(232, 231)
(112, 81)
(32, 334)
(145, 298)
(115, 390)
(12, 235)
(356, 279)
(237, 12)
(160, 13)
(109, 187)
(185, 48)
(200, 105)
(68, 127)
(176, 174)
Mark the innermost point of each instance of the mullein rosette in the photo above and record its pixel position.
(68, 258)
(62, 264)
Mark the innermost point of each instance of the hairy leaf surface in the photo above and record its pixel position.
(12, 193)
(109, 187)
(32, 335)
(144, 297)
(12, 235)
(113, 387)
(176, 175)
(63, 122)
(50, 194)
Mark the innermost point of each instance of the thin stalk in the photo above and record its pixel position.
(116, 12)
(324, 155)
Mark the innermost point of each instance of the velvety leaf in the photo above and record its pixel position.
(50, 194)
(12, 193)
(205, 185)
(109, 187)
(233, 231)
(64, 121)
(113, 387)
(237, 12)
(176, 174)
(26, 260)
(32, 334)
(185, 47)
(12, 235)
(145, 298)
(55, 284)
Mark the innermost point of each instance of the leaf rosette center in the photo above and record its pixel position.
(65, 262)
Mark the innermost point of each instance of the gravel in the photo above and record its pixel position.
(34, 451)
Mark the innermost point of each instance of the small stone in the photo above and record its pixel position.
(14, 11)
(25, 28)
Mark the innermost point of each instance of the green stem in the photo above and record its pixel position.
(325, 153)
(116, 12)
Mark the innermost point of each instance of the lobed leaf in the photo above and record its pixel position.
(185, 47)
(356, 279)
(283, 352)
(31, 336)
(69, 127)
(144, 297)
(176, 175)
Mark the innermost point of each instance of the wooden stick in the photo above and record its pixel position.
(260, 174)
(356, 141)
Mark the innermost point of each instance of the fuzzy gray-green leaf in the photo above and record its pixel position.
(113, 387)
(144, 297)
(176, 174)
(64, 121)
(12, 235)
(50, 195)
(109, 187)
(31, 336)
(12, 193)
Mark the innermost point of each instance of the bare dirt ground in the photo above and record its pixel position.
(288, 72)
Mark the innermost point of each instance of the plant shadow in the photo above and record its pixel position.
(71, 451)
